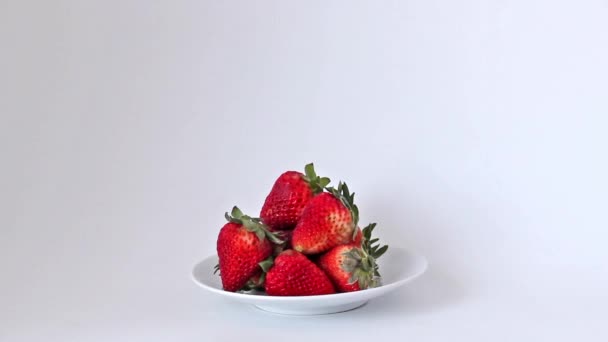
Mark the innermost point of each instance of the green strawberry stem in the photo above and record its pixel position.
(370, 245)
(258, 284)
(255, 285)
(372, 249)
(266, 264)
(316, 183)
(361, 262)
(253, 224)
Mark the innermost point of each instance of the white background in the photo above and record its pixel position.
(472, 131)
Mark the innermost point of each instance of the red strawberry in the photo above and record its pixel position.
(352, 267)
(243, 243)
(289, 195)
(328, 220)
(294, 275)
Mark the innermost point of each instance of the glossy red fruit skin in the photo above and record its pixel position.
(325, 223)
(286, 201)
(331, 264)
(239, 252)
(294, 275)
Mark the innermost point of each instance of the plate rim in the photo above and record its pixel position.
(370, 293)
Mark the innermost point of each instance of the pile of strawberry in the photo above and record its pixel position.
(306, 241)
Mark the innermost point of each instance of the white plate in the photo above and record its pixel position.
(398, 266)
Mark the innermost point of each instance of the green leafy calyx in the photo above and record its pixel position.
(252, 224)
(371, 246)
(316, 183)
(361, 263)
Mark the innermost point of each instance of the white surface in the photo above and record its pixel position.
(472, 131)
(398, 267)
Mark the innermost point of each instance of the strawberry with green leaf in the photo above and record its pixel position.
(244, 246)
(352, 267)
(289, 195)
(330, 219)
